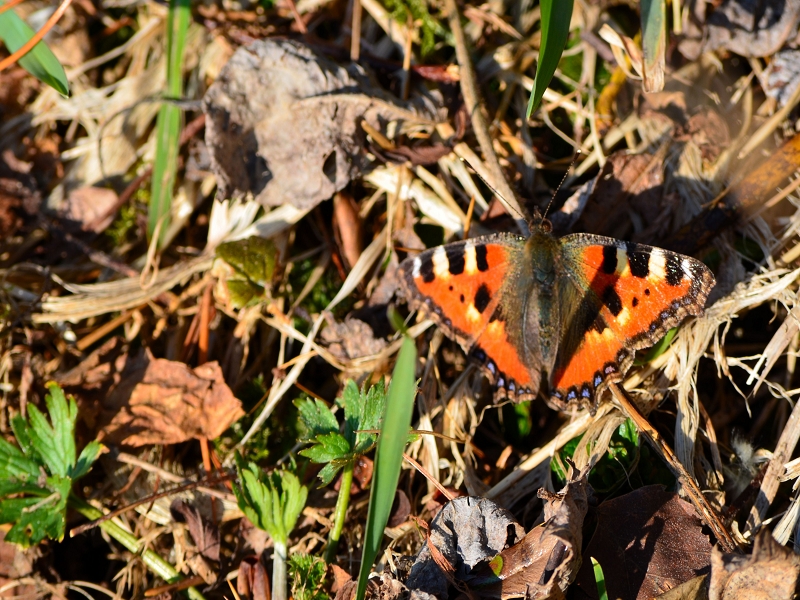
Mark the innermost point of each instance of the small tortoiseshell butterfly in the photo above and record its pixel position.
(560, 316)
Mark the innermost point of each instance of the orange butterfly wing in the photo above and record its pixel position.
(461, 286)
(623, 297)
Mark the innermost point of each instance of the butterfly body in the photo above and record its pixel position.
(560, 317)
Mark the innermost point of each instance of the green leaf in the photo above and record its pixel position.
(556, 15)
(316, 417)
(328, 447)
(271, 502)
(89, 454)
(351, 401)
(328, 472)
(389, 457)
(14, 464)
(307, 573)
(255, 258)
(37, 518)
(55, 444)
(600, 580)
(40, 61)
(373, 408)
(168, 123)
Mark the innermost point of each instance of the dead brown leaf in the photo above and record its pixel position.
(755, 28)
(486, 554)
(694, 589)
(204, 533)
(626, 182)
(16, 563)
(154, 401)
(771, 571)
(253, 582)
(283, 123)
(351, 339)
(347, 227)
(647, 542)
(88, 208)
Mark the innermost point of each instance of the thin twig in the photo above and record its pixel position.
(355, 34)
(469, 90)
(152, 498)
(445, 492)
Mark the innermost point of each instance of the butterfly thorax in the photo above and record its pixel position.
(540, 300)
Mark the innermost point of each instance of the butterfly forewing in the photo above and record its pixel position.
(460, 284)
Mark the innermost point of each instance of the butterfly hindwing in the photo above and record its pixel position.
(622, 296)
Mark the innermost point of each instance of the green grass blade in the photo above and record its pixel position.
(556, 15)
(654, 44)
(389, 457)
(40, 61)
(168, 124)
(600, 580)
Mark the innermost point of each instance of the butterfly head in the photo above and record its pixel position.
(538, 222)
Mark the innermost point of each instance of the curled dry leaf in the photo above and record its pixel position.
(159, 401)
(478, 546)
(783, 75)
(647, 542)
(252, 582)
(204, 533)
(283, 123)
(746, 27)
(85, 205)
(772, 571)
(351, 339)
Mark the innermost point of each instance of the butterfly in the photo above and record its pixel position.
(557, 317)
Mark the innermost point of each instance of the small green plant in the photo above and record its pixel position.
(363, 410)
(36, 482)
(307, 574)
(272, 502)
(430, 28)
(600, 580)
(613, 468)
(36, 478)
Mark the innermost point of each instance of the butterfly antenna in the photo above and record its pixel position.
(563, 179)
(506, 203)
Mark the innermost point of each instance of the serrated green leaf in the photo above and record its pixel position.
(14, 464)
(55, 444)
(372, 412)
(22, 431)
(88, 455)
(38, 518)
(271, 502)
(40, 61)
(328, 447)
(316, 418)
(556, 15)
(17, 487)
(328, 472)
